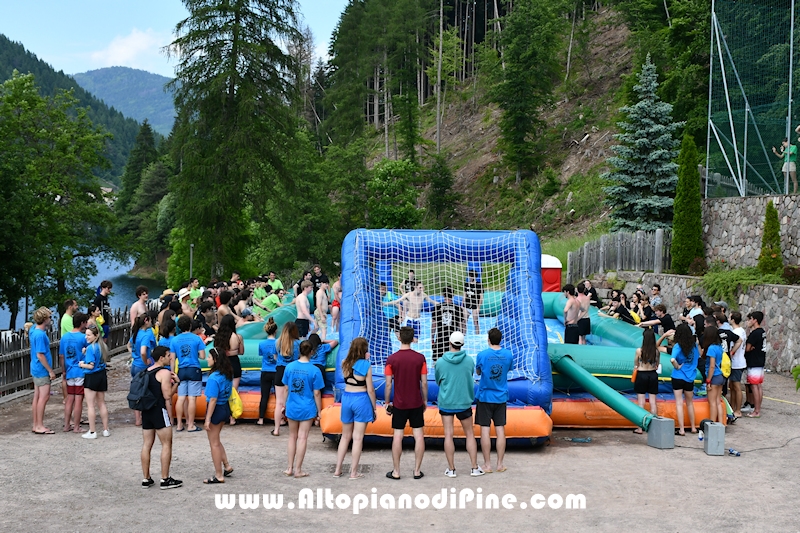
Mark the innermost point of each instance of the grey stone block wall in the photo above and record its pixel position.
(732, 228)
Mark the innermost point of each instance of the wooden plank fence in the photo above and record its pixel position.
(15, 354)
(640, 251)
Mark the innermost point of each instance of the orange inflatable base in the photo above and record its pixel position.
(250, 402)
(521, 422)
(592, 413)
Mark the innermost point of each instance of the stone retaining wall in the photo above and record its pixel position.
(732, 228)
(779, 303)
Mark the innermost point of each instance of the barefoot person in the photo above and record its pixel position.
(321, 311)
(493, 366)
(288, 348)
(684, 360)
(358, 405)
(572, 312)
(336, 304)
(473, 298)
(304, 321)
(303, 405)
(413, 306)
(156, 421)
(456, 394)
(41, 368)
(218, 390)
(95, 382)
(646, 362)
(584, 322)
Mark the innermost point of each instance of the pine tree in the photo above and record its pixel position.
(143, 154)
(687, 221)
(644, 179)
(770, 261)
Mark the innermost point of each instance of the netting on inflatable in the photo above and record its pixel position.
(496, 271)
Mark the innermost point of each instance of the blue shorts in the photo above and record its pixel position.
(190, 388)
(222, 413)
(415, 325)
(356, 407)
(106, 330)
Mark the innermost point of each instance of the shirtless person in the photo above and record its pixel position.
(414, 306)
(305, 322)
(584, 323)
(473, 298)
(336, 304)
(571, 313)
(321, 312)
(139, 307)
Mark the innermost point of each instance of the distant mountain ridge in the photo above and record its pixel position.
(13, 55)
(137, 93)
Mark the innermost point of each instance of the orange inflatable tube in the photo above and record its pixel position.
(521, 422)
(250, 402)
(592, 413)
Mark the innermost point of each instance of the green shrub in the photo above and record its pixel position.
(687, 221)
(726, 284)
(791, 274)
(771, 259)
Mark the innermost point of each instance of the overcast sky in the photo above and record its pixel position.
(80, 35)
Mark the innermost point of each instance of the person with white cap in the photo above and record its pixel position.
(454, 377)
(183, 298)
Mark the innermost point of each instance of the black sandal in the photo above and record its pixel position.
(678, 433)
(213, 480)
(227, 473)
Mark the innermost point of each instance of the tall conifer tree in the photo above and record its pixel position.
(687, 222)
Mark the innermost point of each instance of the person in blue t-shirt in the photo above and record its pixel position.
(142, 343)
(303, 406)
(218, 390)
(186, 350)
(41, 367)
(95, 382)
(684, 361)
(166, 332)
(711, 347)
(319, 358)
(493, 366)
(268, 353)
(358, 404)
(71, 349)
(287, 347)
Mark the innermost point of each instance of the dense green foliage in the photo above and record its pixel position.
(687, 221)
(143, 154)
(392, 197)
(138, 94)
(13, 56)
(643, 176)
(722, 284)
(770, 260)
(53, 212)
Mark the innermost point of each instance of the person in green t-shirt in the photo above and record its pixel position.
(789, 155)
(195, 292)
(70, 308)
(259, 295)
(273, 301)
(274, 282)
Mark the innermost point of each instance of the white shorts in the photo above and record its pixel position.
(75, 382)
(755, 376)
(789, 167)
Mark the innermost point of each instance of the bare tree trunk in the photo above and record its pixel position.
(386, 106)
(571, 36)
(391, 114)
(439, 80)
(667, 10)
(499, 32)
(376, 98)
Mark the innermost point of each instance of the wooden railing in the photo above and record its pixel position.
(640, 251)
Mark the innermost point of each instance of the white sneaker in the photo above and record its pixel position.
(477, 472)
(89, 435)
(450, 473)
(106, 433)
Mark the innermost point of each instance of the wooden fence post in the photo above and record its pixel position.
(585, 269)
(603, 244)
(569, 267)
(638, 255)
(618, 238)
(658, 252)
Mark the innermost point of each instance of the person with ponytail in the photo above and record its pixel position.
(711, 348)
(266, 349)
(288, 348)
(142, 343)
(229, 343)
(646, 364)
(218, 390)
(684, 360)
(303, 405)
(358, 404)
(95, 382)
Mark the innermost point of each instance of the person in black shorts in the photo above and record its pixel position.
(407, 373)
(445, 319)
(163, 384)
(646, 362)
(473, 298)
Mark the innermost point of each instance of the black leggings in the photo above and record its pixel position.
(267, 382)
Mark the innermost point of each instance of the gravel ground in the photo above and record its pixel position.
(64, 483)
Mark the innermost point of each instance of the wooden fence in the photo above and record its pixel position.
(15, 354)
(640, 251)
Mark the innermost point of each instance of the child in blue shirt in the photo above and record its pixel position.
(303, 405)
(321, 350)
(71, 348)
(95, 382)
(218, 390)
(268, 353)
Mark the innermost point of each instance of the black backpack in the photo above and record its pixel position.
(141, 397)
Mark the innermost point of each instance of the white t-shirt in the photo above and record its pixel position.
(738, 361)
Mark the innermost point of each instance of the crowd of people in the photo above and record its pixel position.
(726, 350)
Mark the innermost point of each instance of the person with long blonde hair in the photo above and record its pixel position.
(288, 348)
(358, 404)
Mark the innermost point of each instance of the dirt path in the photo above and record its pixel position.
(65, 483)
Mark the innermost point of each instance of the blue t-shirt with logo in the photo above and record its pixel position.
(145, 338)
(302, 379)
(494, 365)
(321, 357)
(715, 351)
(40, 343)
(187, 347)
(71, 347)
(266, 349)
(282, 361)
(688, 369)
(219, 387)
(93, 355)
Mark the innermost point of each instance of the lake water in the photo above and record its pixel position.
(123, 292)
